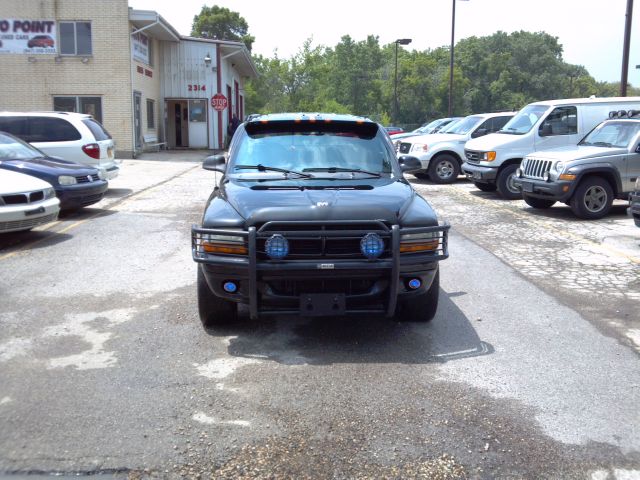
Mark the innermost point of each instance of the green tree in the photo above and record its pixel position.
(222, 24)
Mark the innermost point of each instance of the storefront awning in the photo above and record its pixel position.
(153, 24)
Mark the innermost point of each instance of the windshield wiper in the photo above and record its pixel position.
(509, 131)
(265, 168)
(601, 144)
(340, 170)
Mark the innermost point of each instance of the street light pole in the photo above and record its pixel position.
(453, 27)
(625, 49)
(401, 41)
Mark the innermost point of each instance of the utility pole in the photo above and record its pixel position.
(625, 49)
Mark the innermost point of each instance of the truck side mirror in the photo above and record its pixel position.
(544, 130)
(479, 133)
(215, 163)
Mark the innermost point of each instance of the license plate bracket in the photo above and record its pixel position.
(322, 304)
(527, 187)
(35, 211)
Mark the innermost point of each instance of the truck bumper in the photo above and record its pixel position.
(558, 191)
(320, 286)
(477, 173)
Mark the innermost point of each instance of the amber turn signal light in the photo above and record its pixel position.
(419, 247)
(228, 248)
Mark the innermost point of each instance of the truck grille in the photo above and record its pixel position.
(404, 147)
(535, 168)
(313, 240)
(472, 156)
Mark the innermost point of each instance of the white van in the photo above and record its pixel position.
(492, 161)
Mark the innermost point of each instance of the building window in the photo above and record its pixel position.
(75, 38)
(151, 106)
(89, 105)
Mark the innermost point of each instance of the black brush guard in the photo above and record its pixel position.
(255, 267)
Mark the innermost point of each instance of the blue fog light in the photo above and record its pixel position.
(414, 283)
(371, 245)
(277, 247)
(230, 287)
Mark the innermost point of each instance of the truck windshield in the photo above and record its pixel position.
(612, 134)
(524, 120)
(324, 147)
(464, 126)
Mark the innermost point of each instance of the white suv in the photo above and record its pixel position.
(74, 137)
(442, 153)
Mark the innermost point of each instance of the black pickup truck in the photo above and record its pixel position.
(313, 217)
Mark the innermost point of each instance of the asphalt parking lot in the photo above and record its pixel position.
(529, 370)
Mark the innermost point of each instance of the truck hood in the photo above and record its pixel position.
(385, 199)
(433, 138)
(491, 142)
(577, 152)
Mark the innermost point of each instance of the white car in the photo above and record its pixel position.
(74, 137)
(25, 202)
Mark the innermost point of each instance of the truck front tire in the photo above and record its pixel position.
(444, 169)
(485, 187)
(592, 199)
(506, 186)
(213, 310)
(537, 202)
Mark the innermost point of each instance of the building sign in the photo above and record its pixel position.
(27, 36)
(140, 47)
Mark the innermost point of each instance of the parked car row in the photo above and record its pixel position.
(582, 152)
(70, 170)
(442, 154)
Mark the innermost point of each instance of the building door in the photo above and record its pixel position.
(198, 124)
(178, 127)
(137, 119)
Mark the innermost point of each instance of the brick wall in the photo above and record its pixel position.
(29, 82)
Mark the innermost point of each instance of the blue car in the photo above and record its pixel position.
(76, 185)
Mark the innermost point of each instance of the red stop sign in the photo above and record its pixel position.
(219, 102)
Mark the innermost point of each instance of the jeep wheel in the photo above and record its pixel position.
(485, 187)
(422, 175)
(422, 308)
(213, 310)
(444, 169)
(506, 185)
(592, 199)
(537, 202)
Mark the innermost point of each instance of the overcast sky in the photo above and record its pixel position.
(591, 31)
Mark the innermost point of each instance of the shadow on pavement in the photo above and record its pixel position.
(118, 192)
(328, 340)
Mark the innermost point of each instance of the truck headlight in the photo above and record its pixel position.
(488, 156)
(558, 166)
(419, 147)
(224, 243)
(419, 242)
(67, 180)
